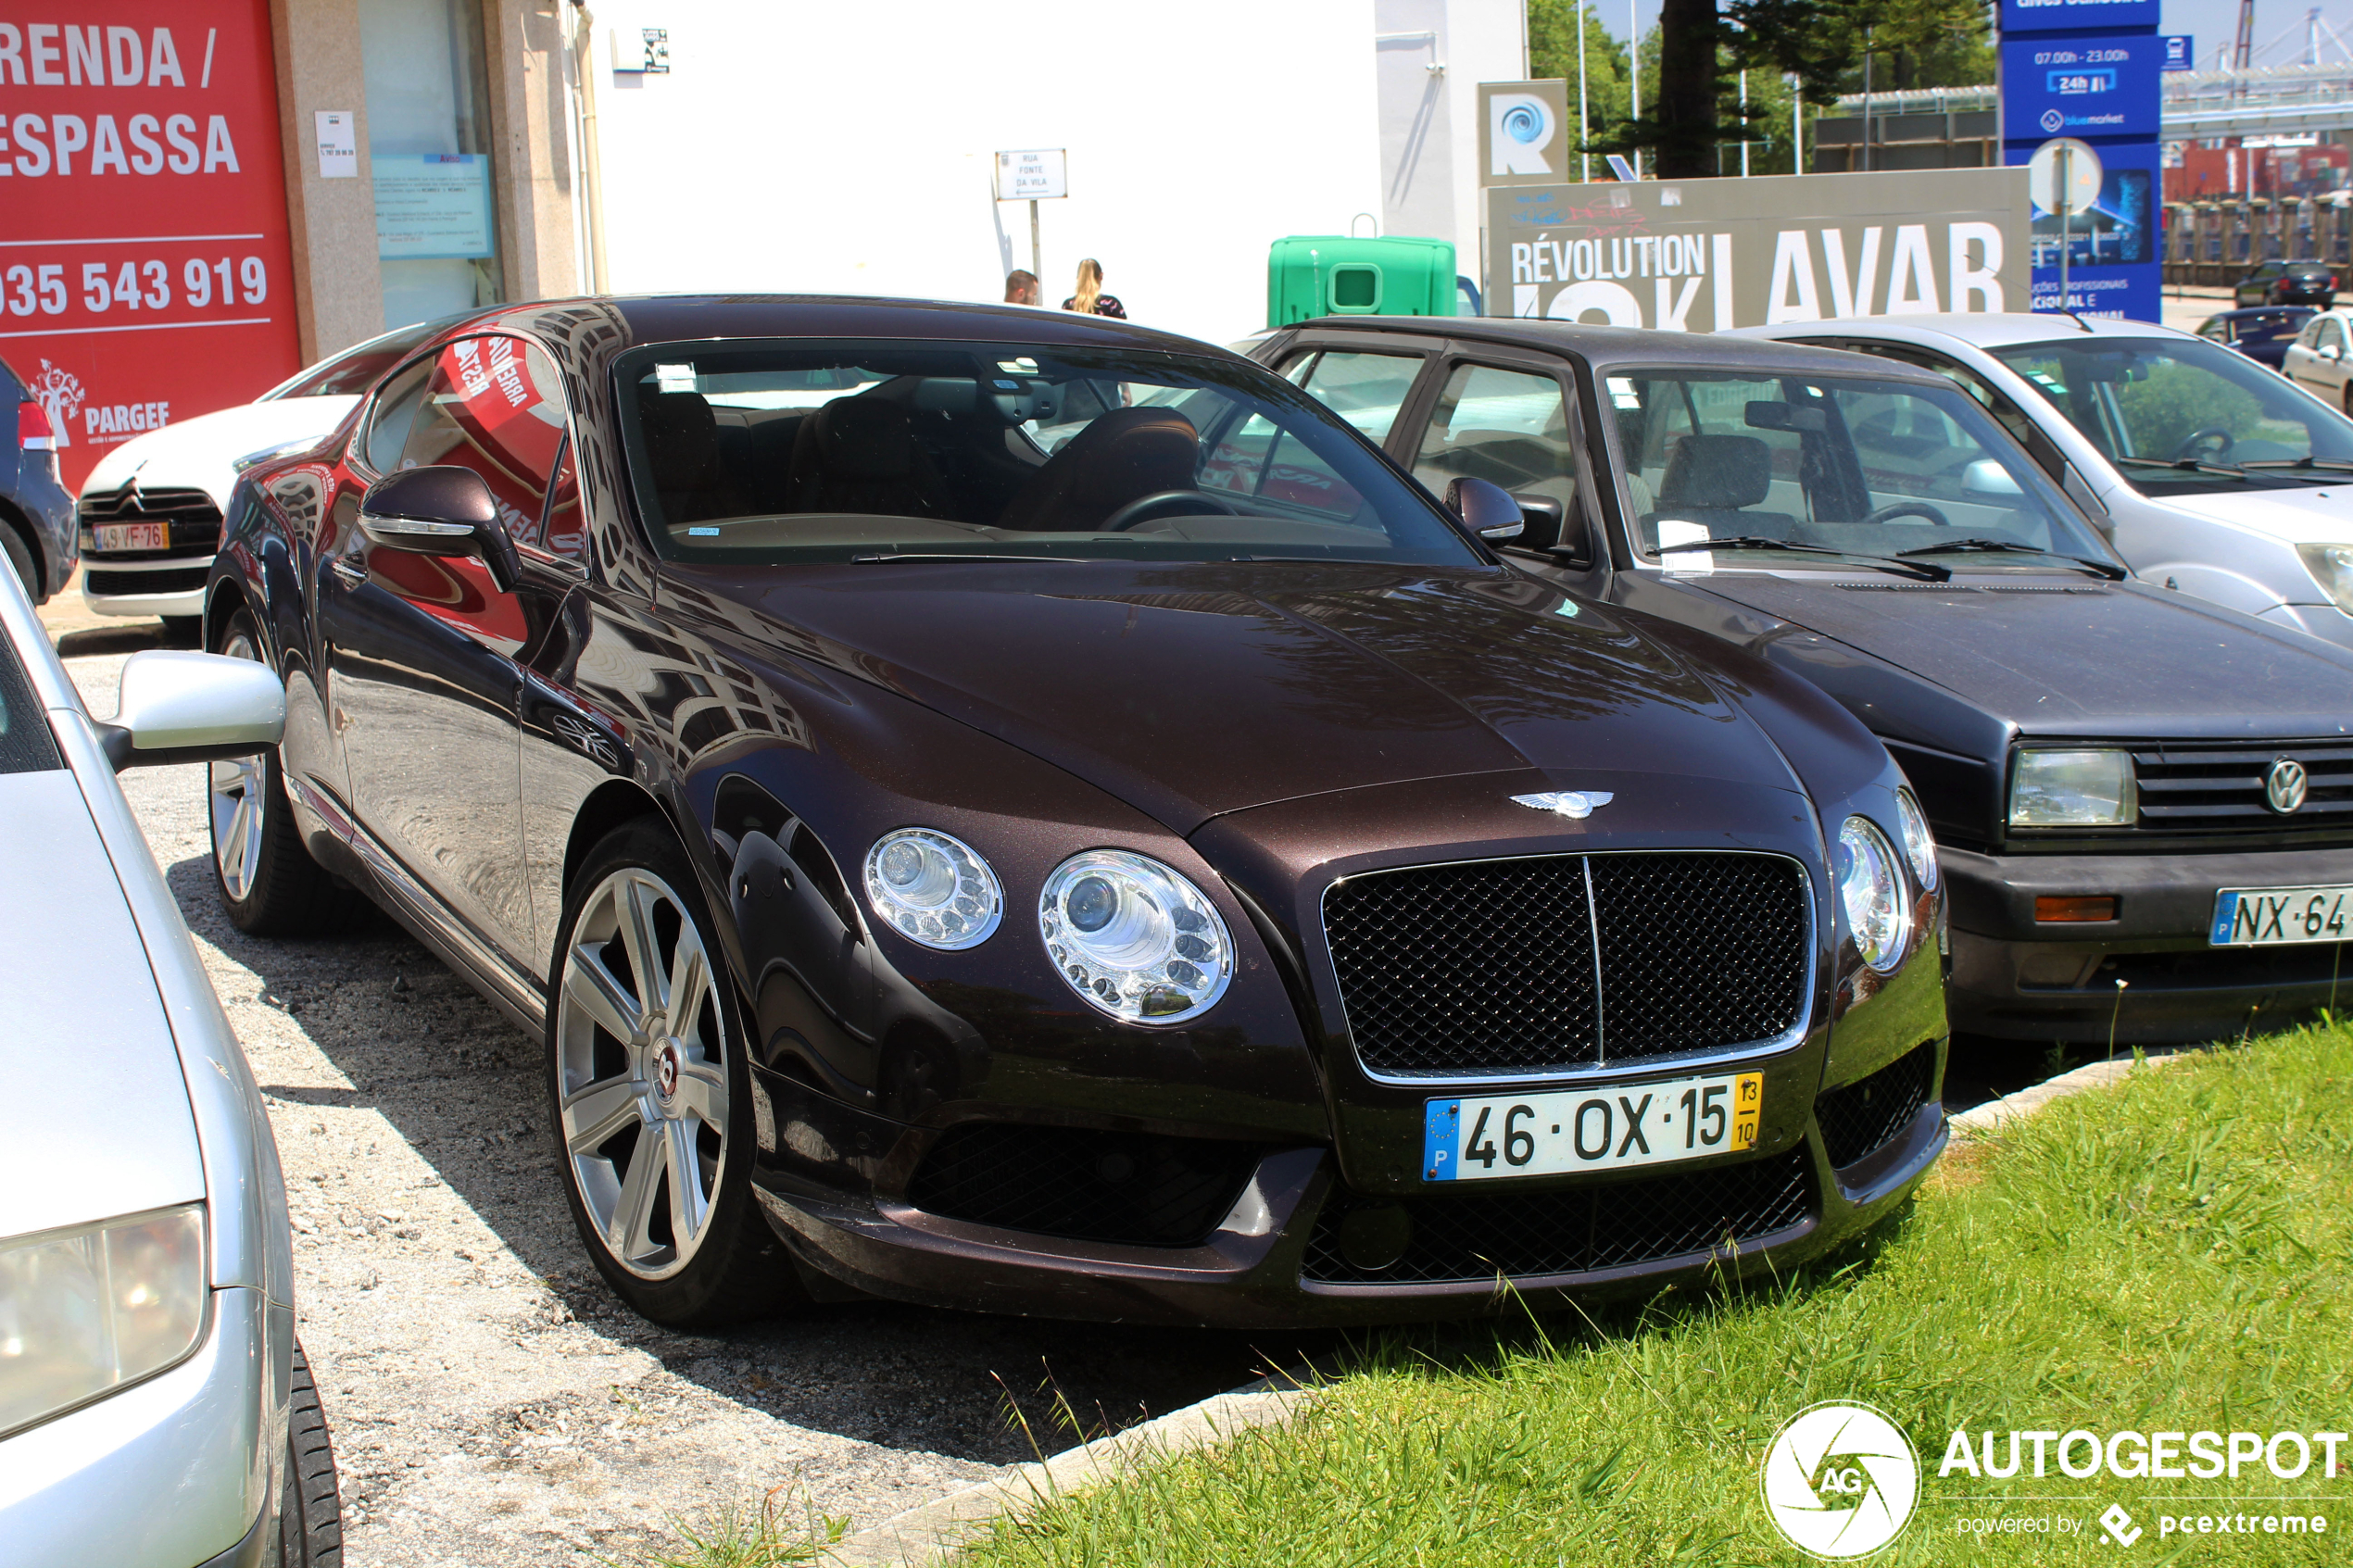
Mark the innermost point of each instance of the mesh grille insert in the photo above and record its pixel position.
(1469, 1237)
(1862, 1118)
(1131, 1188)
(1488, 968)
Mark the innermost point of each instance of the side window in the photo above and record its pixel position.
(561, 532)
(1365, 389)
(2332, 334)
(1509, 428)
(495, 405)
(396, 412)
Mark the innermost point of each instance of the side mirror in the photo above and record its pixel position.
(443, 511)
(1987, 477)
(2329, 351)
(1486, 509)
(193, 708)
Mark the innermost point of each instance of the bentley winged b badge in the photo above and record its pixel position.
(1567, 802)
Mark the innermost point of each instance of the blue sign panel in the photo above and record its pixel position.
(2076, 16)
(2113, 245)
(2090, 87)
(2181, 52)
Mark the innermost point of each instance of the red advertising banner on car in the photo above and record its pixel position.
(146, 273)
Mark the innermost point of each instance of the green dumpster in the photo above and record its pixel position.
(1333, 275)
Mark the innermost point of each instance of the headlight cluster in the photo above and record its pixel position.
(86, 1311)
(1134, 937)
(2073, 789)
(2331, 568)
(1871, 887)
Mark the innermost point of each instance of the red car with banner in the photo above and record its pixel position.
(146, 270)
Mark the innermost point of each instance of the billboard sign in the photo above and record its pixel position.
(146, 273)
(2109, 229)
(2181, 51)
(2077, 16)
(1524, 137)
(2081, 87)
(1706, 254)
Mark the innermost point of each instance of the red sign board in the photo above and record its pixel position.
(146, 273)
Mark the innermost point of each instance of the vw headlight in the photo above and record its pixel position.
(2073, 789)
(932, 889)
(1134, 937)
(2331, 568)
(89, 1310)
(1870, 888)
(1920, 844)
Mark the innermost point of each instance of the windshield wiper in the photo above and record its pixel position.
(2334, 464)
(947, 554)
(2188, 465)
(1926, 570)
(2109, 569)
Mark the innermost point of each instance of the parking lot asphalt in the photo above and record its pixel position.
(490, 1402)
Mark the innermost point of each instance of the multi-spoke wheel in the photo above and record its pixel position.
(652, 1092)
(269, 883)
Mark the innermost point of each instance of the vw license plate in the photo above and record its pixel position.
(131, 536)
(1599, 1129)
(2277, 917)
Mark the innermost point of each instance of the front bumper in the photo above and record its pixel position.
(171, 586)
(2016, 979)
(172, 1472)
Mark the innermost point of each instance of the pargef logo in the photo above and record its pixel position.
(1841, 1480)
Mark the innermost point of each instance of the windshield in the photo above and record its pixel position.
(1855, 465)
(761, 453)
(355, 370)
(2151, 404)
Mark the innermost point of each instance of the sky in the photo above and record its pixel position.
(2211, 22)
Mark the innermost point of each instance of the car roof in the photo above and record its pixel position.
(1606, 347)
(681, 317)
(2252, 310)
(1986, 329)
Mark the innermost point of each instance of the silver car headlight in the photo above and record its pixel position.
(934, 889)
(2073, 789)
(1870, 888)
(1920, 844)
(1134, 937)
(86, 1311)
(2331, 568)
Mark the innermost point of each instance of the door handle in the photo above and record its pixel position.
(348, 572)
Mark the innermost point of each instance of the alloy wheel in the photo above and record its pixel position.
(642, 1073)
(237, 790)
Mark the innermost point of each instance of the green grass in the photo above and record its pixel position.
(2170, 1254)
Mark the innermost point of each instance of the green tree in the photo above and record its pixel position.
(1551, 52)
(1552, 48)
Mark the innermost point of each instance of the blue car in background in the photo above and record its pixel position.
(36, 513)
(2262, 334)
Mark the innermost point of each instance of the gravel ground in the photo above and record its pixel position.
(491, 1403)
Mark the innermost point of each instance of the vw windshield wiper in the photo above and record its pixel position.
(2187, 465)
(1921, 568)
(2109, 569)
(949, 555)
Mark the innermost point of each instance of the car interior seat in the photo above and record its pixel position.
(1122, 456)
(1713, 480)
(861, 455)
(682, 444)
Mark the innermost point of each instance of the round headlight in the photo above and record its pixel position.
(932, 889)
(1920, 844)
(1135, 938)
(1872, 889)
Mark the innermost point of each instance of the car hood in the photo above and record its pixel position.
(2320, 515)
(2072, 657)
(201, 452)
(97, 1123)
(1191, 690)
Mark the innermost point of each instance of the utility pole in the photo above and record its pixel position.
(1634, 70)
(1867, 97)
(2066, 213)
(1584, 159)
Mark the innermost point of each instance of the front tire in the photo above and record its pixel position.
(268, 881)
(649, 1087)
(311, 1508)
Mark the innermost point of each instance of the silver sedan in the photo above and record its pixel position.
(155, 1408)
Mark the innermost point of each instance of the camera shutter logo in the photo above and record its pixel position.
(1841, 1480)
(2285, 785)
(1520, 129)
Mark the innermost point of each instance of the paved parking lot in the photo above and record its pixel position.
(490, 1402)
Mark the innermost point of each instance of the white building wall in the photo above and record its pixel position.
(835, 149)
(1430, 122)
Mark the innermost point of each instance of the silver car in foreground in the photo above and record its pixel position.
(155, 1409)
(2209, 474)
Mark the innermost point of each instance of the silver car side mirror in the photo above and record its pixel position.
(1486, 509)
(193, 708)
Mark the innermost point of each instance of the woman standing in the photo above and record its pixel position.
(1091, 299)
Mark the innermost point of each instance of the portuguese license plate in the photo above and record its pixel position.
(2278, 917)
(131, 536)
(1598, 1129)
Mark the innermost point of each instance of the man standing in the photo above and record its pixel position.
(1021, 287)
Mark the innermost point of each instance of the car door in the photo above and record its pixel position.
(424, 652)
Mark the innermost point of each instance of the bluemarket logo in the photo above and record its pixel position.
(1841, 1480)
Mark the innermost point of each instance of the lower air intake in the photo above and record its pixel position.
(1865, 1117)
(1084, 1186)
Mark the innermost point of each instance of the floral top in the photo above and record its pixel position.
(1105, 305)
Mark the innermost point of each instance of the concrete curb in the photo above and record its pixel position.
(931, 1531)
(1978, 1119)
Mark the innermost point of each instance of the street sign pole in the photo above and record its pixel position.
(2065, 214)
(1037, 257)
(1033, 175)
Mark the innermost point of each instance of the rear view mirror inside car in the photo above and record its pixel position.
(1781, 416)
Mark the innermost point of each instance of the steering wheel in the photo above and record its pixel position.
(2215, 436)
(1133, 512)
(1910, 508)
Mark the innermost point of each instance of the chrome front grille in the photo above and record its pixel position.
(1557, 962)
(192, 523)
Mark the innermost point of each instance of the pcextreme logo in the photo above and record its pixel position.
(1841, 1480)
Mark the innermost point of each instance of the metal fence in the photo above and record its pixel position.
(2220, 242)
